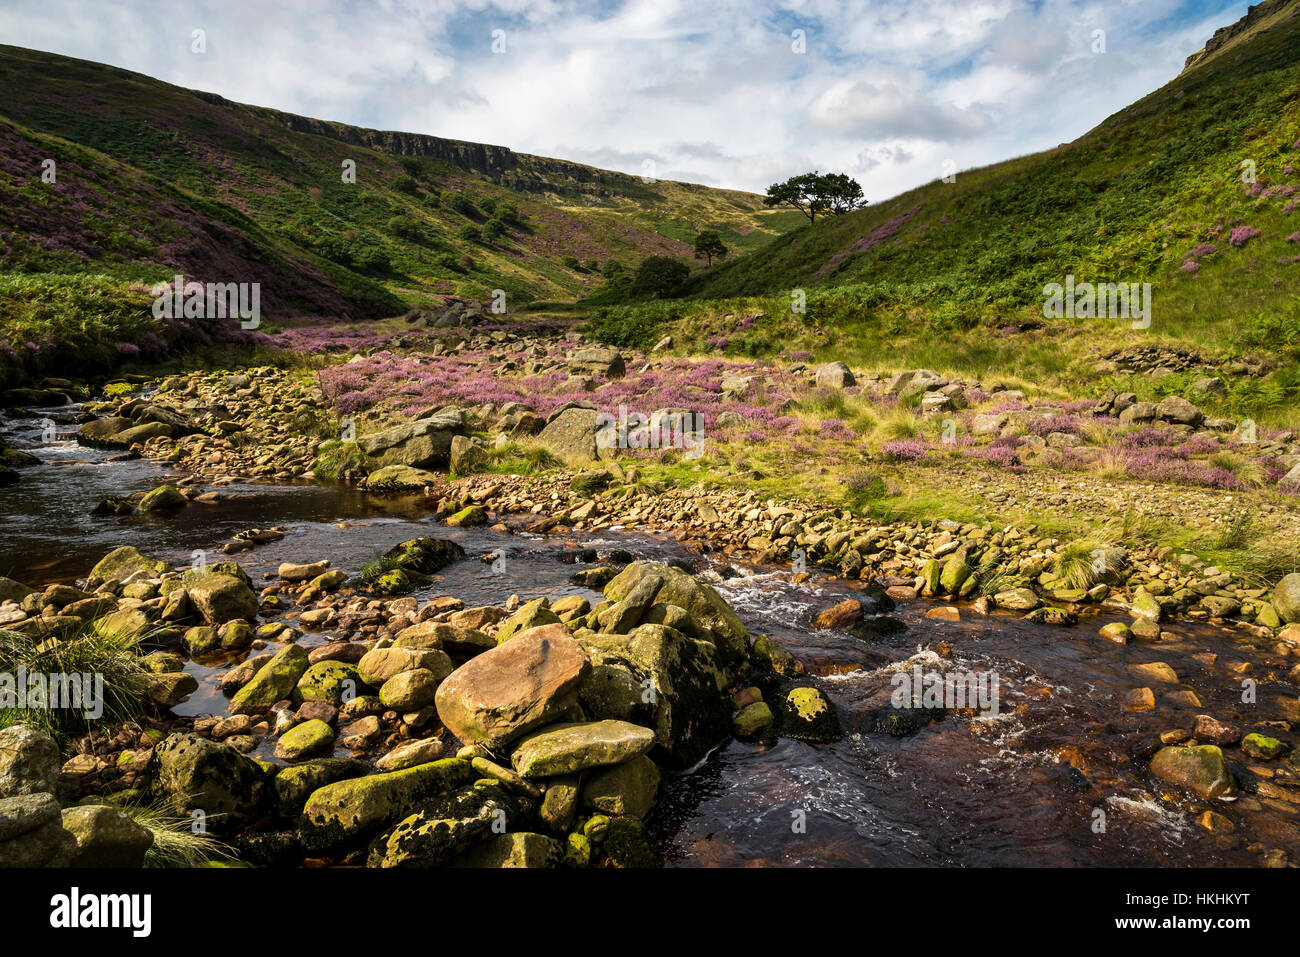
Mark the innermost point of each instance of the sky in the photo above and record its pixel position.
(733, 93)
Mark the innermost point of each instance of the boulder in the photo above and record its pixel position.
(1286, 598)
(31, 833)
(627, 788)
(163, 498)
(381, 664)
(516, 849)
(703, 603)
(569, 748)
(123, 562)
(422, 444)
(29, 761)
(835, 375)
(302, 740)
(221, 598)
(444, 827)
(501, 694)
(533, 614)
(1179, 411)
(349, 811)
(196, 774)
(274, 681)
(597, 361)
(1201, 769)
(400, 476)
(571, 435)
(106, 837)
(295, 783)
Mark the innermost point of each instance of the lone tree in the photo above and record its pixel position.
(813, 193)
(709, 244)
(659, 277)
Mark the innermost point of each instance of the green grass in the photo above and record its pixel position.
(83, 652)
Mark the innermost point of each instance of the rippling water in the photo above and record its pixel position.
(1020, 788)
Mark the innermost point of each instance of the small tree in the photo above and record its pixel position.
(709, 244)
(813, 193)
(406, 185)
(659, 277)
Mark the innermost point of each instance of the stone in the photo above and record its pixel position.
(410, 690)
(123, 562)
(515, 849)
(196, 774)
(348, 811)
(303, 740)
(456, 640)
(1017, 599)
(1261, 746)
(1214, 731)
(1178, 410)
(834, 375)
(443, 828)
(807, 714)
(330, 681)
(627, 788)
(31, 833)
(301, 573)
(597, 361)
(400, 476)
(106, 837)
(569, 748)
(378, 666)
(752, 720)
(700, 600)
(408, 754)
(560, 802)
(843, 615)
(422, 444)
(501, 694)
(571, 435)
(1155, 671)
(466, 456)
(221, 598)
(163, 498)
(169, 689)
(1201, 769)
(295, 783)
(274, 681)
(29, 761)
(533, 614)
(1286, 598)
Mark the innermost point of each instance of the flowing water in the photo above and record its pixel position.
(1029, 786)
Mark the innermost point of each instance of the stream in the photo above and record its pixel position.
(1024, 787)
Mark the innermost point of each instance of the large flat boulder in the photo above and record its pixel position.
(572, 436)
(569, 748)
(508, 691)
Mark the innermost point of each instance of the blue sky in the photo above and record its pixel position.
(710, 92)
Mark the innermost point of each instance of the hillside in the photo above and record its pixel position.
(1126, 201)
(416, 221)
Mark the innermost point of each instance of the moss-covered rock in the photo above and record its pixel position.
(533, 614)
(274, 681)
(808, 715)
(468, 517)
(627, 788)
(703, 603)
(295, 783)
(163, 498)
(516, 849)
(1262, 746)
(305, 739)
(569, 748)
(350, 811)
(1201, 769)
(331, 681)
(196, 774)
(122, 562)
(627, 845)
(220, 598)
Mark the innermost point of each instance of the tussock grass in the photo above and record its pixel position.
(83, 652)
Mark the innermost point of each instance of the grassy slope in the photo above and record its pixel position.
(287, 183)
(937, 276)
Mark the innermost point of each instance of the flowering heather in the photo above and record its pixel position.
(1290, 208)
(1055, 423)
(1004, 456)
(1190, 265)
(871, 240)
(128, 350)
(1293, 238)
(802, 355)
(905, 450)
(1242, 235)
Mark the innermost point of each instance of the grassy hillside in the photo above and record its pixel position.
(951, 275)
(425, 216)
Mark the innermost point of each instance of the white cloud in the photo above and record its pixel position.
(887, 90)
